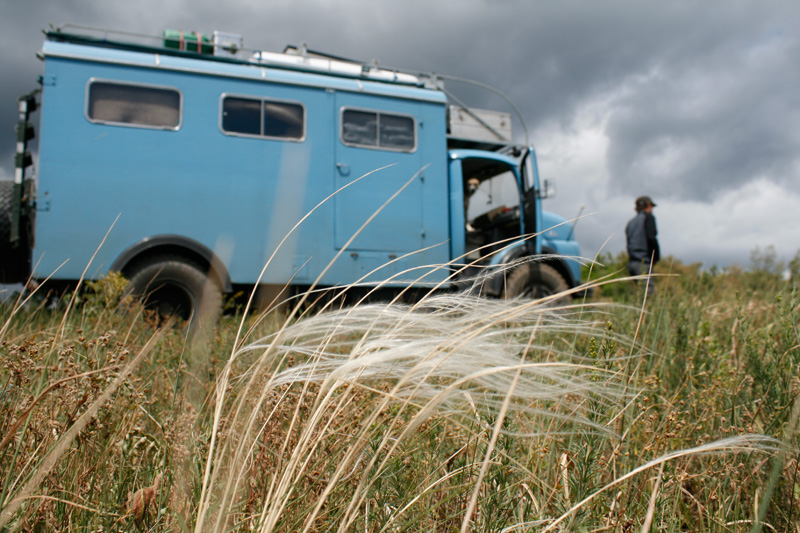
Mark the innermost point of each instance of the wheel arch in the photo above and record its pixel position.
(174, 245)
(548, 257)
(559, 264)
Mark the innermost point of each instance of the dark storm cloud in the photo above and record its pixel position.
(711, 120)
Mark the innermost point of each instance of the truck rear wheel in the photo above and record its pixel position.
(176, 287)
(15, 261)
(536, 281)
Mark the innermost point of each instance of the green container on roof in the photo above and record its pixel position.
(190, 41)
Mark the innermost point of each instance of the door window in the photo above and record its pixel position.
(373, 129)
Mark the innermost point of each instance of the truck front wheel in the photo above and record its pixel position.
(174, 286)
(536, 281)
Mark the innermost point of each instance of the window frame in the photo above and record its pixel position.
(378, 114)
(87, 102)
(262, 100)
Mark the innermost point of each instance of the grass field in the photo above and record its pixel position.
(678, 413)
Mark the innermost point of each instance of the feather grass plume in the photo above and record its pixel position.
(449, 356)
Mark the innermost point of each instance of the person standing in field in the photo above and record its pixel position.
(640, 233)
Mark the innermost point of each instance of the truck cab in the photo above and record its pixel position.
(503, 222)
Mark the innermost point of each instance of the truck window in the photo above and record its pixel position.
(378, 130)
(263, 118)
(135, 105)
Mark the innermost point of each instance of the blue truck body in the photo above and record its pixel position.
(152, 150)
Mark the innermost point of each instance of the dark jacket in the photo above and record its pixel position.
(641, 236)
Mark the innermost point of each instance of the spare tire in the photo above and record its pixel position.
(15, 259)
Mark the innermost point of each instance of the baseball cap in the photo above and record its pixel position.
(642, 201)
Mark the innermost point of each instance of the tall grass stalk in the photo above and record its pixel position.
(432, 355)
(221, 392)
(498, 426)
(741, 444)
(779, 462)
(83, 276)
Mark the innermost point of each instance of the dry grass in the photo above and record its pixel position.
(450, 413)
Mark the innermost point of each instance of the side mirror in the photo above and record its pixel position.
(547, 190)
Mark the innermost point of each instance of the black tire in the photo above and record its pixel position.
(536, 281)
(176, 287)
(6, 191)
(15, 261)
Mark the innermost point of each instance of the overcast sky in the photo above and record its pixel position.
(695, 103)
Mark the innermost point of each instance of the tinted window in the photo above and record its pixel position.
(133, 104)
(397, 132)
(263, 118)
(360, 127)
(283, 120)
(382, 130)
(240, 115)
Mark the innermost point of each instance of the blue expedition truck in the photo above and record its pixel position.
(191, 160)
